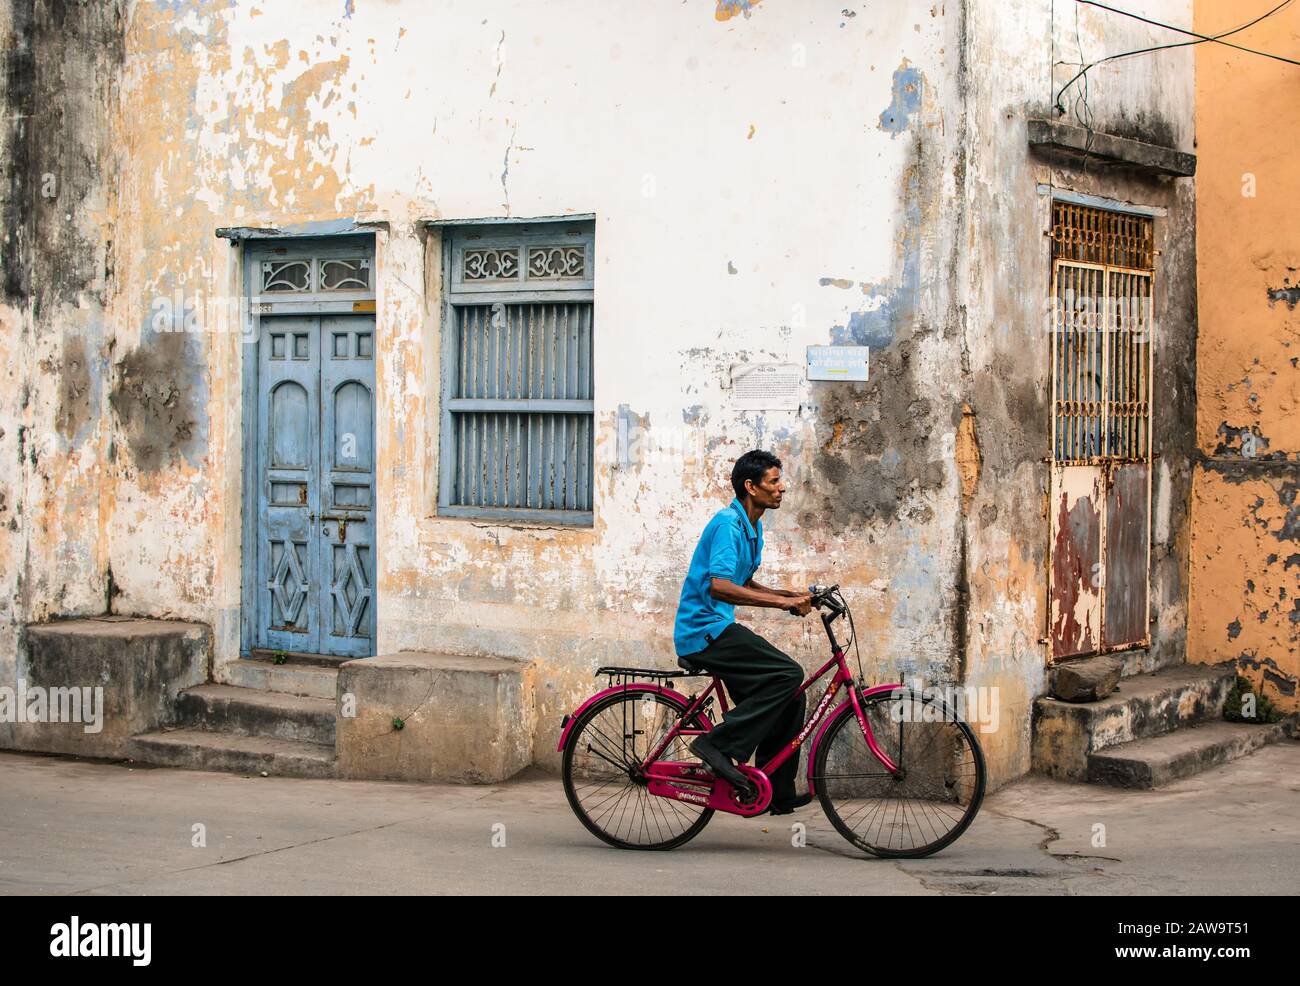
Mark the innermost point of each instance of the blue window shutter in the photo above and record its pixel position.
(517, 438)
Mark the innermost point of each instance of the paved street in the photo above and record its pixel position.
(70, 827)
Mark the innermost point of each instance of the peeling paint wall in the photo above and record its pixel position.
(61, 63)
(1019, 55)
(1245, 541)
(765, 177)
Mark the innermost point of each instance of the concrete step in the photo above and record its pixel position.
(1066, 734)
(466, 719)
(1160, 760)
(290, 678)
(1138, 662)
(251, 712)
(140, 664)
(199, 749)
(299, 657)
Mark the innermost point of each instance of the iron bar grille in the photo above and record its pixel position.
(521, 406)
(1102, 334)
(1100, 236)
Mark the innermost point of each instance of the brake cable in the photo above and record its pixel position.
(838, 597)
(857, 651)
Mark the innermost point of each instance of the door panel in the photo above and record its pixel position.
(1076, 582)
(316, 552)
(288, 456)
(1126, 555)
(347, 481)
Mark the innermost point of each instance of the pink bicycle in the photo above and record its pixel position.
(897, 773)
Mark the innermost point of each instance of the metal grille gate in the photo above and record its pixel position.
(521, 407)
(517, 437)
(1100, 497)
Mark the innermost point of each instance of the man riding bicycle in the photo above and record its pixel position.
(763, 682)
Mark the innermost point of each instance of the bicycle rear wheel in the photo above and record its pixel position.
(602, 778)
(928, 804)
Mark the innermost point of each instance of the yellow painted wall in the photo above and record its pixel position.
(1245, 552)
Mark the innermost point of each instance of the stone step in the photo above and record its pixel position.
(251, 712)
(199, 749)
(290, 678)
(1138, 662)
(1147, 705)
(1160, 760)
(299, 657)
(141, 665)
(465, 719)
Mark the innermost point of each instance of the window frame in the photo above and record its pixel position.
(459, 293)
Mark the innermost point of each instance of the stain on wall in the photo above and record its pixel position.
(882, 446)
(61, 60)
(78, 387)
(156, 405)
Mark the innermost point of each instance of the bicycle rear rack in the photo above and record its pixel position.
(625, 677)
(622, 677)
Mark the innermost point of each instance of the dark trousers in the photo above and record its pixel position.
(767, 713)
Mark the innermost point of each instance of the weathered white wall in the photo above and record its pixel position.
(754, 145)
(762, 181)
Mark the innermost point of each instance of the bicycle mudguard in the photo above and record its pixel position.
(566, 724)
(836, 712)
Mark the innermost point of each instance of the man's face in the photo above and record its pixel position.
(767, 492)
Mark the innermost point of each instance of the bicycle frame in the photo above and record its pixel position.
(614, 767)
(663, 777)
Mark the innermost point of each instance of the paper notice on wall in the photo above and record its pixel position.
(766, 386)
(837, 362)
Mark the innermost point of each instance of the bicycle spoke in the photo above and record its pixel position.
(592, 749)
(607, 743)
(603, 773)
(925, 804)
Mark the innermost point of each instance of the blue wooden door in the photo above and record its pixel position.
(347, 544)
(316, 559)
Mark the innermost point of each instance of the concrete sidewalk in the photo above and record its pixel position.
(70, 827)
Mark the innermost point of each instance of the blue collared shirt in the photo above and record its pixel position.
(730, 548)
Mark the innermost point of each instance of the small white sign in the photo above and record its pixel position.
(838, 362)
(766, 386)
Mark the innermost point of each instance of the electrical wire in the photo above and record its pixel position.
(1201, 39)
(1086, 117)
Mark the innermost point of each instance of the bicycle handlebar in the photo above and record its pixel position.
(826, 595)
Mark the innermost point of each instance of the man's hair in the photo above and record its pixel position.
(751, 466)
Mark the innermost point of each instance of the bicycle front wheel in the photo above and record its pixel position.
(602, 777)
(923, 807)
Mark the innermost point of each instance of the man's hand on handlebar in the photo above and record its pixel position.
(800, 603)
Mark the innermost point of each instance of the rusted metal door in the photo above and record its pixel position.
(1127, 537)
(1076, 560)
(1100, 495)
